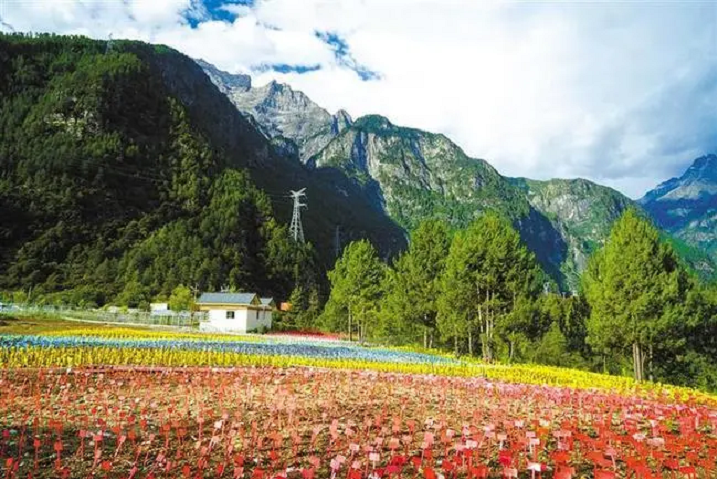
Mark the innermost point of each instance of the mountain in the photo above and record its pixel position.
(416, 175)
(124, 172)
(582, 212)
(687, 206)
(413, 174)
(281, 112)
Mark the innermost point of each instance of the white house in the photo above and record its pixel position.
(235, 312)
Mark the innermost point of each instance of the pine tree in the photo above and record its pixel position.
(413, 284)
(355, 290)
(488, 270)
(631, 284)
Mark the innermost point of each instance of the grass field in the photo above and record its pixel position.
(85, 400)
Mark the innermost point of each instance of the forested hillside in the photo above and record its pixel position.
(124, 172)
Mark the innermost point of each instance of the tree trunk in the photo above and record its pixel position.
(470, 341)
(362, 326)
(483, 343)
(488, 330)
(637, 361)
(510, 351)
(430, 342)
(425, 338)
(349, 323)
(650, 365)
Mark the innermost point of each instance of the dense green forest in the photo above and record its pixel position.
(480, 292)
(110, 193)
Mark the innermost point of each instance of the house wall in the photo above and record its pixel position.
(245, 320)
(264, 318)
(251, 320)
(217, 321)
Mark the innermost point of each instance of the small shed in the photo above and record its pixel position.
(235, 312)
(158, 307)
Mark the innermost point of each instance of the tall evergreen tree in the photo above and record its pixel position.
(355, 290)
(488, 270)
(631, 285)
(413, 285)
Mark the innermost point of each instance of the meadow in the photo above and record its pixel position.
(84, 400)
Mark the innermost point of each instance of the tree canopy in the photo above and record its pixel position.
(631, 285)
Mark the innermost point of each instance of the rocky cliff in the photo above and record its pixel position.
(281, 111)
(686, 206)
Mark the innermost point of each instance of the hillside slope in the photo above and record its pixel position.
(413, 174)
(126, 172)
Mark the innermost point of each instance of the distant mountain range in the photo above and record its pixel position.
(127, 171)
(412, 174)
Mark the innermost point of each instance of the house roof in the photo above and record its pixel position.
(268, 302)
(228, 298)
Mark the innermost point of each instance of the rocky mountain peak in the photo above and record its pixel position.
(686, 206)
(341, 121)
(698, 181)
(703, 168)
(281, 111)
(226, 82)
(374, 123)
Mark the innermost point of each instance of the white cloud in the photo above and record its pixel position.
(619, 93)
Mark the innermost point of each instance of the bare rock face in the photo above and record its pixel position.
(581, 211)
(226, 82)
(687, 206)
(281, 111)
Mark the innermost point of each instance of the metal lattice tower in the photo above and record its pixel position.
(296, 230)
(109, 45)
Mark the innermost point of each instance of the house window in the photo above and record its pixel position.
(230, 314)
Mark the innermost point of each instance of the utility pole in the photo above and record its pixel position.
(337, 243)
(195, 291)
(296, 230)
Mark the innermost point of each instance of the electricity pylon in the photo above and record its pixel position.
(296, 230)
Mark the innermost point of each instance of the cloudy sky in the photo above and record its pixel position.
(623, 93)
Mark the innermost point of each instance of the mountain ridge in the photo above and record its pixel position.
(281, 111)
(413, 174)
(686, 206)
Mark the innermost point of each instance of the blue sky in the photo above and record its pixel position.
(623, 93)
